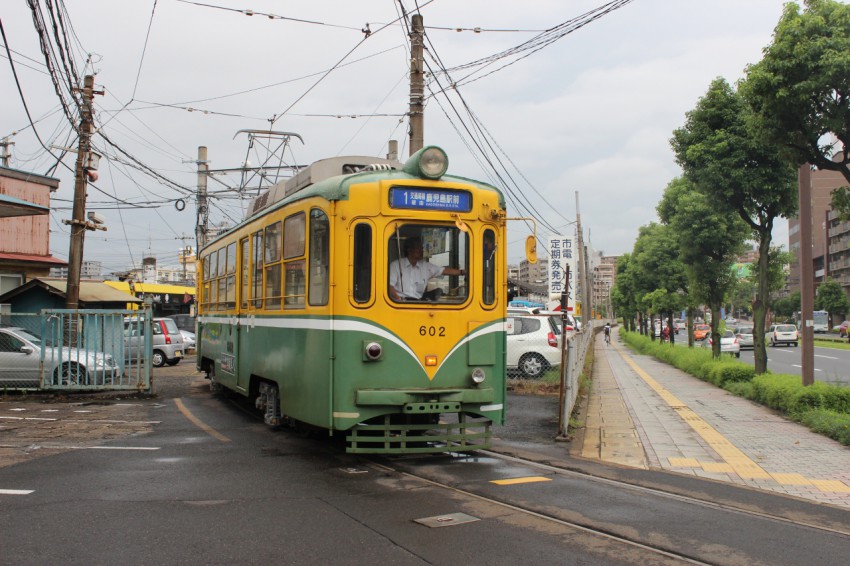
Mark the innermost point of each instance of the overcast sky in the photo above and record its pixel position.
(591, 113)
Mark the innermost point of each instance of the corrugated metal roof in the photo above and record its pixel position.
(93, 291)
(31, 258)
(90, 291)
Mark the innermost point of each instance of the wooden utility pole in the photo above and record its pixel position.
(417, 84)
(807, 279)
(85, 168)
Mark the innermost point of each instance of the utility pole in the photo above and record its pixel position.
(417, 84)
(86, 168)
(807, 283)
(581, 279)
(203, 208)
(5, 145)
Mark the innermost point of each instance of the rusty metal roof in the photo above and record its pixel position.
(90, 291)
(11, 206)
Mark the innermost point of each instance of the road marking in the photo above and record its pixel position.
(801, 367)
(199, 423)
(16, 491)
(515, 481)
(827, 357)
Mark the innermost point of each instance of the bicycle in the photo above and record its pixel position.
(607, 339)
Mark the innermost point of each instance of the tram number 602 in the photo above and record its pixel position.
(432, 330)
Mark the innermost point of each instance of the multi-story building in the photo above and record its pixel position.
(534, 273)
(838, 258)
(604, 277)
(828, 257)
(88, 270)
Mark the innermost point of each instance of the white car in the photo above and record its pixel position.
(21, 353)
(534, 345)
(783, 334)
(188, 340)
(728, 343)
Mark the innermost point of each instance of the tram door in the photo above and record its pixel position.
(245, 318)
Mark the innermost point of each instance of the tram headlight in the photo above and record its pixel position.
(478, 376)
(373, 351)
(430, 162)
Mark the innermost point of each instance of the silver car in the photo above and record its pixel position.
(745, 337)
(167, 341)
(21, 353)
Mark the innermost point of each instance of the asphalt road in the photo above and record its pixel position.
(185, 477)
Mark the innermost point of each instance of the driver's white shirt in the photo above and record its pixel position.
(414, 278)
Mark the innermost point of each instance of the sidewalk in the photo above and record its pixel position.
(643, 413)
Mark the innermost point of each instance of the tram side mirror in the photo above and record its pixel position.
(531, 249)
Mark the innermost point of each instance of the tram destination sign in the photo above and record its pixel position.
(419, 198)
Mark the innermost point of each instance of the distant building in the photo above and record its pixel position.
(830, 238)
(604, 278)
(534, 273)
(88, 270)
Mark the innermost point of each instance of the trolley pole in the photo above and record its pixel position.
(85, 168)
(203, 208)
(417, 84)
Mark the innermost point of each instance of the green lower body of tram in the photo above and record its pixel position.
(322, 372)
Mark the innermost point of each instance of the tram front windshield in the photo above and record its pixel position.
(428, 264)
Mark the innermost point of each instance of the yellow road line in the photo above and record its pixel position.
(199, 423)
(514, 481)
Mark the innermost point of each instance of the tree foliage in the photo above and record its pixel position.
(724, 158)
(832, 298)
(800, 89)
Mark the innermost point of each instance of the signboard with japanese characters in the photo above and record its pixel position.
(562, 269)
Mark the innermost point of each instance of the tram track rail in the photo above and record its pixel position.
(671, 544)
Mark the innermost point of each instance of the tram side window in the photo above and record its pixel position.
(272, 289)
(205, 299)
(245, 274)
(294, 245)
(230, 294)
(213, 293)
(362, 263)
(319, 257)
(488, 246)
(257, 273)
(221, 299)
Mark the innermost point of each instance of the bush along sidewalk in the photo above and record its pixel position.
(823, 408)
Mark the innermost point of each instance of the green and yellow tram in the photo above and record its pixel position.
(309, 306)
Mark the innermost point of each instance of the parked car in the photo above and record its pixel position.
(728, 343)
(533, 343)
(701, 331)
(783, 334)
(184, 322)
(188, 340)
(21, 355)
(166, 341)
(745, 337)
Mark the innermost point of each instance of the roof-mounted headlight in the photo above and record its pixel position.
(430, 162)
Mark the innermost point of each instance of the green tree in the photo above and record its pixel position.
(623, 296)
(785, 307)
(710, 237)
(800, 89)
(831, 297)
(660, 273)
(724, 158)
(778, 260)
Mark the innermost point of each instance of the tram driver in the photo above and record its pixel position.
(409, 275)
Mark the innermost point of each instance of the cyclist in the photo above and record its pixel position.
(607, 331)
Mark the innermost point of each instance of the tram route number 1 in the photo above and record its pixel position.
(432, 331)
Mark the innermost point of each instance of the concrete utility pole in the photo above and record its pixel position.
(807, 279)
(582, 273)
(85, 168)
(417, 84)
(203, 209)
(5, 145)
